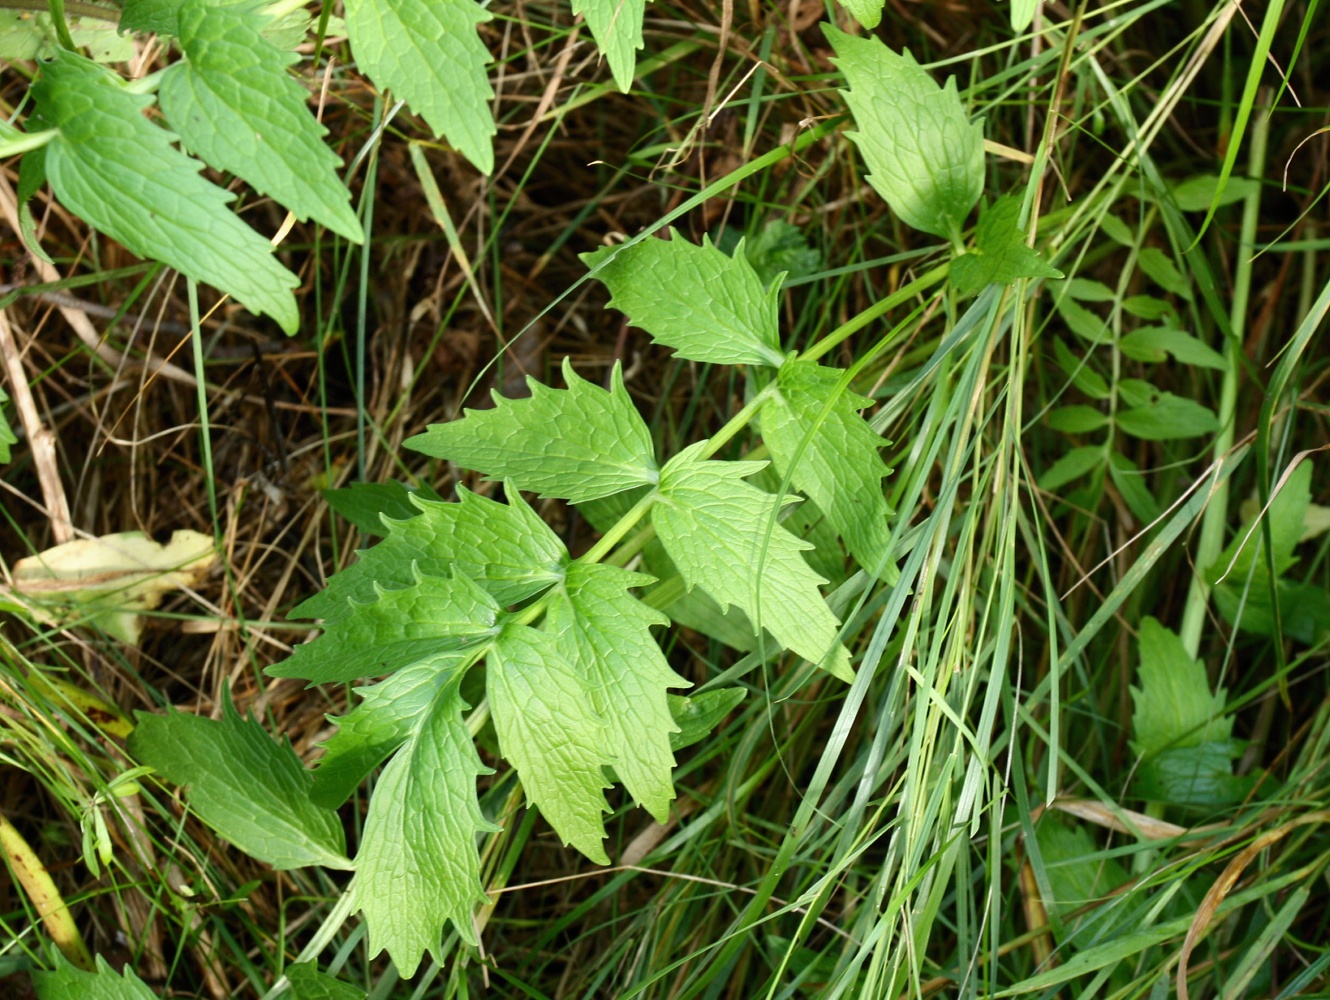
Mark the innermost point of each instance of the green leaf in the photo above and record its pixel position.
(1078, 872)
(429, 53)
(1136, 392)
(1117, 230)
(616, 25)
(119, 172)
(418, 864)
(542, 709)
(1161, 269)
(235, 106)
(69, 983)
(1022, 13)
(429, 621)
(579, 443)
(150, 16)
(1083, 322)
(1200, 775)
(308, 983)
(1000, 256)
(719, 529)
(1304, 609)
(781, 248)
(1173, 704)
(1168, 418)
(866, 12)
(251, 790)
(698, 715)
(365, 504)
(813, 427)
(925, 156)
(1149, 308)
(31, 179)
(1288, 508)
(1131, 484)
(1085, 290)
(1071, 466)
(1076, 419)
(506, 548)
(7, 435)
(1082, 375)
(705, 305)
(605, 634)
(1197, 194)
(26, 34)
(1151, 343)
(388, 713)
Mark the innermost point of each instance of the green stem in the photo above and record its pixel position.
(1215, 521)
(857, 323)
(57, 9)
(738, 422)
(26, 142)
(74, 8)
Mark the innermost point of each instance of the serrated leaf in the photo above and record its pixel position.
(26, 34)
(1288, 508)
(698, 715)
(308, 983)
(1200, 775)
(386, 716)
(1151, 343)
(1304, 609)
(365, 504)
(924, 155)
(699, 301)
(1000, 255)
(781, 248)
(579, 443)
(506, 548)
(235, 106)
(1167, 418)
(7, 435)
(66, 982)
(418, 864)
(542, 710)
(253, 791)
(867, 12)
(616, 25)
(1173, 703)
(605, 634)
(429, 53)
(819, 434)
(119, 172)
(429, 621)
(1071, 466)
(718, 530)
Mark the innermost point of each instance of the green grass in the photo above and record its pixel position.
(921, 832)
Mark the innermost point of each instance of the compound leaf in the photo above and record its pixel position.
(253, 791)
(1000, 255)
(233, 104)
(1167, 418)
(705, 304)
(605, 633)
(363, 504)
(812, 425)
(429, 621)
(579, 443)
(506, 548)
(616, 25)
(418, 864)
(925, 156)
(428, 52)
(542, 709)
(120, 173)
(719, 529)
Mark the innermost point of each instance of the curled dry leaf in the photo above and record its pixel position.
(109, 581)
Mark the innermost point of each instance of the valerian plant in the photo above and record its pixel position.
(567, 649)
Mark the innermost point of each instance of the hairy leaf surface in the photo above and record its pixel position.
(925, 156)
(819, 434)
(119, 172)
(605, 633)
(430, 621)
(233, 104)
(506, 548)
(705, 304)
(579, 443)
(428, 52)
(418, 864)
(253, 791)
(616, 25)
(718, 530)
(543, 712)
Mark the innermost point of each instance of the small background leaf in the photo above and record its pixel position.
(308, 983)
